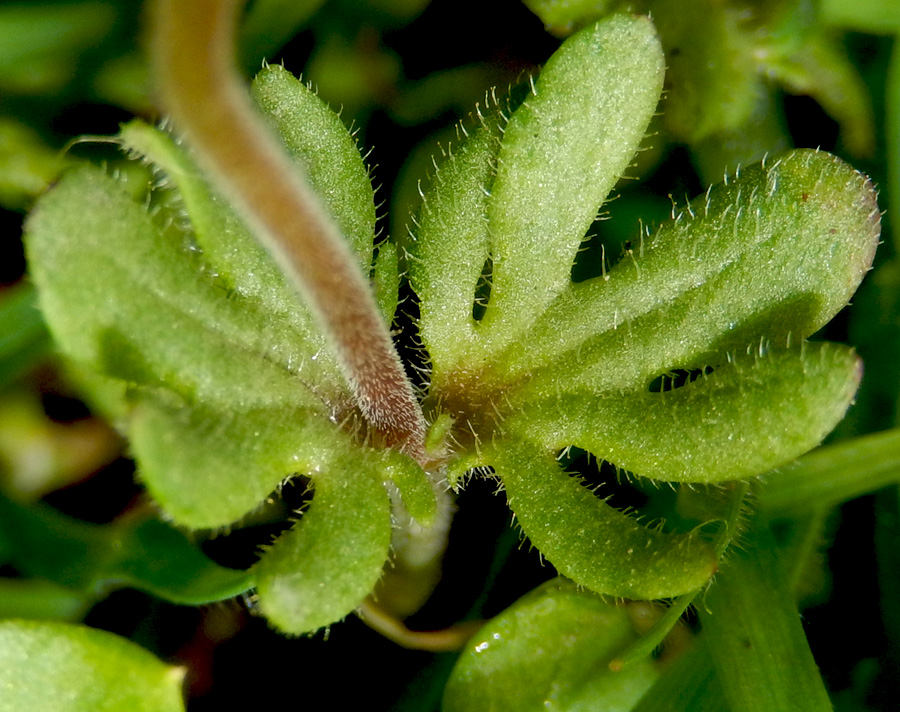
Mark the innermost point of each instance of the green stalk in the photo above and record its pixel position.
(831, 475)
(752, 630)
(892, 129)
(689, 684)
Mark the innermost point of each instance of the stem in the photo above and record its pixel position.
(436, 641)
(198, 85)
(754, 635)
(892, 129)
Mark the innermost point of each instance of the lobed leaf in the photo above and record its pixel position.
(186, 453)
(123, 297)
(451, 246)
(208, 467)
(70, 668)
(751, 415)
(562, 152)
(318, 142)
(316, 139)
(238, 262)
(323, 568)
(772, 255)
(510, 663)
(592, 543)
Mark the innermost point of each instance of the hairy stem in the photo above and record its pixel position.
(199, 86)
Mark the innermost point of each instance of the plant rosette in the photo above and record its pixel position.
(227, 383)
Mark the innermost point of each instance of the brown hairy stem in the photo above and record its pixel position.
(199, 86)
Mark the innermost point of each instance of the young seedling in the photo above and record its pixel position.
(238, 317)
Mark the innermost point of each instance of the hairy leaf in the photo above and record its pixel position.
(209, 467)
(323, 568)
(185, 453)
(238, 261)
(562, 151)
(452, 244)
(317, 140)
(719, 427)
(125, 298)
(772, 254)
(592, 543)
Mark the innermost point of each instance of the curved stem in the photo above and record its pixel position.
(199, 86)
(435, 641)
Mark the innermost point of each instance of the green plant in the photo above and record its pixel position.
(687, 362)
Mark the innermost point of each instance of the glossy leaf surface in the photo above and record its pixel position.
(549, 651)
(68, 668)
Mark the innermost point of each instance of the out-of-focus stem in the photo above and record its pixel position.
(892, 129)
(198, 85)
(436, 641)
